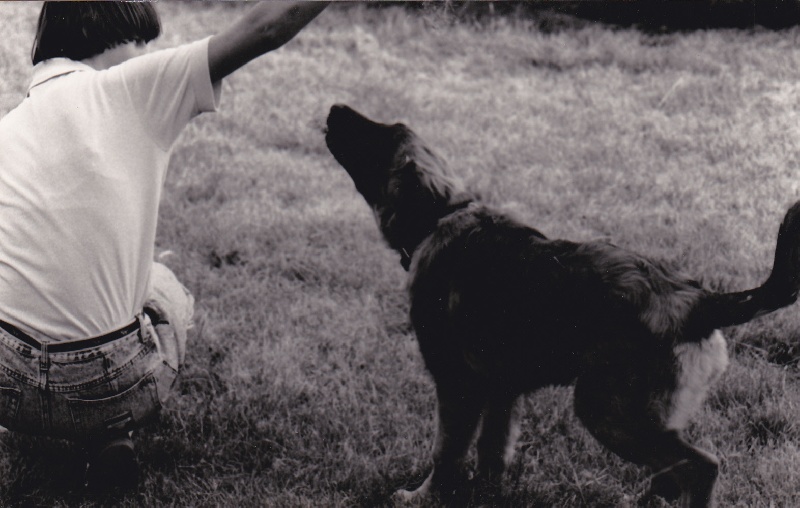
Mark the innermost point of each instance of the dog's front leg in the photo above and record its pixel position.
(459, 410)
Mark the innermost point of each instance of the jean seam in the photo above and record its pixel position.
(18, 348)
(109, 376)
(22, 378)
(112, 374)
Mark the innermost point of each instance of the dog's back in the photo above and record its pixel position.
(505, 294)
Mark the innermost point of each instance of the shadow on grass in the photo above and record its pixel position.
(647, 15)
(38, 468)
(672, 15)
(379, 495)
(378, 492)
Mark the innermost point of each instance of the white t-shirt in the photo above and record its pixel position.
(82, 163)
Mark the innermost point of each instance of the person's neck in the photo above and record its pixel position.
(114, 56)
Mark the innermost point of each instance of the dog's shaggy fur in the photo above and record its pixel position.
(499, 310)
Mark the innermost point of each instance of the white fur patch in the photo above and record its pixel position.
(511, 441)
(699, 366)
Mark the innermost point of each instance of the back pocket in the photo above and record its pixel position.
(9, 406)
(122, 412)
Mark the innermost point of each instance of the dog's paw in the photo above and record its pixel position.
(404, 497)
(663, 486)
(413, 497)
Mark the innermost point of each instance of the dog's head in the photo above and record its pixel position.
(408, 187)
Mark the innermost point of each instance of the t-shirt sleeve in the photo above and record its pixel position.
(168, 88)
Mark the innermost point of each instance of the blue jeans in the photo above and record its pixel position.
(84, 389)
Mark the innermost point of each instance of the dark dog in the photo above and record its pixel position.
(500, 310)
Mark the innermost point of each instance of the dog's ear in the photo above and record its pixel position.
(421, 192)
(417, 196)
(435, 180)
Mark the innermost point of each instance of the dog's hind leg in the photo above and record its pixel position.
(686, 472)
(459, 409)
(682, 470)
(499, 433)
(690, 479)
(621, 424)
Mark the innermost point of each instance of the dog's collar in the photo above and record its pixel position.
(406, 253)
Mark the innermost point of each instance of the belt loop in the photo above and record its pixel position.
(44, 360)
(44, 365)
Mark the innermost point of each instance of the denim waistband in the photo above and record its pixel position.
(72, 345)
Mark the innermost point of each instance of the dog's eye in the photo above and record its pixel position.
(394, 187)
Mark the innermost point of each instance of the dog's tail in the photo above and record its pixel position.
(716, 310)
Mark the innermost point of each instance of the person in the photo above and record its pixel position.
(92, 330)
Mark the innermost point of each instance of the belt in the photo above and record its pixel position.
(72, 345)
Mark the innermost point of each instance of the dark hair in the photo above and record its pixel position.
(79, 30)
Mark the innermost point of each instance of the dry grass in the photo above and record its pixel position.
(303, 386)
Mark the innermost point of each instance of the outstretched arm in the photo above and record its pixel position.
(267, 26)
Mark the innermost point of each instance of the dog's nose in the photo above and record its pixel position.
(340, 109)
(337, 110)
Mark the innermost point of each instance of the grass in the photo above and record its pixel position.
(303, 384)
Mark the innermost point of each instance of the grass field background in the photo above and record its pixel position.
(303, 384)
